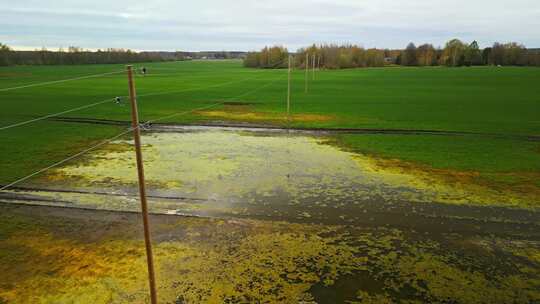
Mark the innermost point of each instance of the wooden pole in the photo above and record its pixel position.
(307, 71)
(289, 93)
(142, 189)
(313, 67)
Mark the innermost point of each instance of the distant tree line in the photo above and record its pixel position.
(267, 58)
(77, 55)
(215, 55)
(454, 54)
(457, 53)
(328, 56)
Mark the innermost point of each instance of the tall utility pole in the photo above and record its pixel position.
(142, 189)
(313, 67)
(289, 92)
(307, 70)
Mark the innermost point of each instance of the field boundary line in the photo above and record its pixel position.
(57, 81)
(55, 114)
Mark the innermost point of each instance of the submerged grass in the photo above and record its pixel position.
(290, 170)
(504, 165)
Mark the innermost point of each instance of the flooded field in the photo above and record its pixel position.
(273, 174)
(279, 216)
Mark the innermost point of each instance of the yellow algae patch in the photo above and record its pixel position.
(442, 281)
(265, 266)
(57, 270)
(456, 187)
(227, 168)
(524, 249)
(165, 160)
(223, 164)
(219, 261)
(264, 116)
(367, 298)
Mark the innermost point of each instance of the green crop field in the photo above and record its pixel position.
(500, 107)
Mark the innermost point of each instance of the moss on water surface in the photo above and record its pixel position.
(239, 168)
(66, 256)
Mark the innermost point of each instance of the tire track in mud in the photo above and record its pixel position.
(171, 127)
(422, 216)
(12, 196)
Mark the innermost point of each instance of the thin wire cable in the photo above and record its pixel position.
(107, 100)
(66, 159)
(55, 114)
(116, 137)
(58, 81)
(194, 89)
(203, 87)
(216, 104)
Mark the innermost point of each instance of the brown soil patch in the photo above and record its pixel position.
(13, 74)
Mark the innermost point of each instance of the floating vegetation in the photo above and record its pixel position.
(259, 173)
(332, 237)
(66, 255)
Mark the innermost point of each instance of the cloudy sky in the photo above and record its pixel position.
(251, 24)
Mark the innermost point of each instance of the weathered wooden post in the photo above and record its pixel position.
(307, 71)
(142, 188)
(289, 92)
(313, 67)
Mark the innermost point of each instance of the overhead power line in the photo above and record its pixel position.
(57, 81)
(107, 100)
(65, 160)
(55, 114)
(215, 104)
(104, 142)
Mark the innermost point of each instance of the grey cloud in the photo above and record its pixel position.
(250, 24)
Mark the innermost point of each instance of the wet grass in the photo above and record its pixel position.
(504, 163)
(465, 153)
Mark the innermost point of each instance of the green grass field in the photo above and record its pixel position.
(483, 100)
